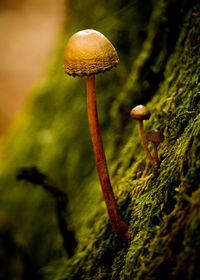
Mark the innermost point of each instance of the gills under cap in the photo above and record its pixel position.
(88, 52)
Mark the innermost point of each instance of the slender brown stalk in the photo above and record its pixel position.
(143, 138)
(155, 145)
(118, 225)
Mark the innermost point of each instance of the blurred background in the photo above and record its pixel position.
(52, 135)
(28, 31)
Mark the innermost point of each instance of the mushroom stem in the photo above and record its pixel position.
(118, 225)
(143, 138)
(155, 145)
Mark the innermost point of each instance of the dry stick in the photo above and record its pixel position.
(143, 138)
(118, 225)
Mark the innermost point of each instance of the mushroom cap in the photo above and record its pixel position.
(155, 136)
(140, 112)
(88, 52)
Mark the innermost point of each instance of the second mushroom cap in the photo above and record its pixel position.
(155, 136)
(140, 112)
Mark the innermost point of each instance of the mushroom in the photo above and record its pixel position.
(87, 53)
(155, 136)
(141, 113)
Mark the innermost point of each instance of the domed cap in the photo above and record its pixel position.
(88, 52)
(155, 136)
(140, 112)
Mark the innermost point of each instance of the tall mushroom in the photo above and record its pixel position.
(88, 53)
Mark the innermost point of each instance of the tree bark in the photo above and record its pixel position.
(160, 68)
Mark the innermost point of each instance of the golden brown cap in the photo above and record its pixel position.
(155, 136)
(140, 112)
(88, 52)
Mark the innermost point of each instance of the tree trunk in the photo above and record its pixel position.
(159, 46)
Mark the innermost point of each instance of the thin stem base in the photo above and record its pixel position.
(143, 138)
(117, 224)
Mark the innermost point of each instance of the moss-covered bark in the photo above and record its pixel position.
(159, 45)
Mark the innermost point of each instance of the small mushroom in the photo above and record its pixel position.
(155, 136)
(88, 53)
(141, 113)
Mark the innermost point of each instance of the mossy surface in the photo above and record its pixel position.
(159, 46)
